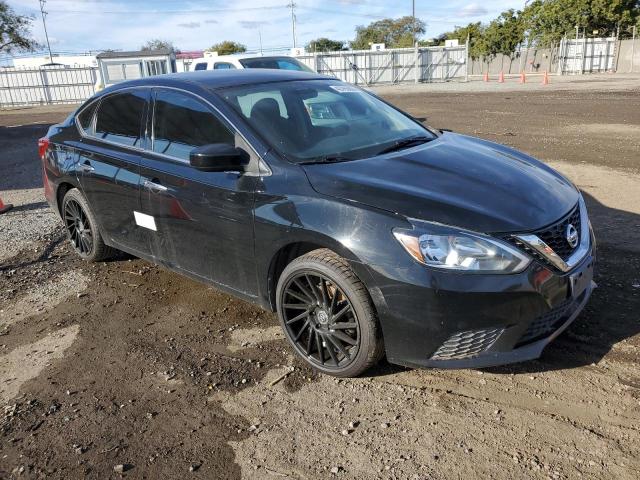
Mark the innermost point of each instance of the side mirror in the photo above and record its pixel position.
(420, 119)
(219, 157)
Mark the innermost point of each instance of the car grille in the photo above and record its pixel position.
(554, 236)
(467, 344)
(549, 322)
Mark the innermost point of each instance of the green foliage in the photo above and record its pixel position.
(14, 31)
(545, 22)
(504, 34)
(475, 33)
(394, 33)
(324, 44)
(550, 20)
(158, 44)
(227, 47)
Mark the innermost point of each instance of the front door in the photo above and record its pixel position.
(109, 166)
(203, 220)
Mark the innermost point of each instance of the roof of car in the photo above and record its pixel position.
(239, 56)
(214, 79)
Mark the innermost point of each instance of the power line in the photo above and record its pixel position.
(218, 10)
(163, 12)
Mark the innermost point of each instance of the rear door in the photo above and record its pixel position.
(109, 163)
(203, 220)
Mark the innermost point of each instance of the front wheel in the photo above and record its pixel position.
(327, 315)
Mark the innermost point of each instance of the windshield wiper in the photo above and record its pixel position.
(327, 159)
(405, 143)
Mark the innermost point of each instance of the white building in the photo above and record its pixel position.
(66, 60)
(116, 67)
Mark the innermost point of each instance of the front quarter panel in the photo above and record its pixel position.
(289, 211)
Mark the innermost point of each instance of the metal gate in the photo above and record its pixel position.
(430, 64)
(586, 55)
(46, 85)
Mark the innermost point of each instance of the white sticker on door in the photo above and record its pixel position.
(144, 220)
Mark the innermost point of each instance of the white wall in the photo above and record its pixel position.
(68, 60)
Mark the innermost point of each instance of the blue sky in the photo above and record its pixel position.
(82, 25)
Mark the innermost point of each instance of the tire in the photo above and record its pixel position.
(340, 334)
(82, 228)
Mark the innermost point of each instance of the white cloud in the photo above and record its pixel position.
(473, 10)
(251, 24)
(189, 25)
(77, 32)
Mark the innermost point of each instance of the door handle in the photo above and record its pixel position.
(86, 168)
(155, 187)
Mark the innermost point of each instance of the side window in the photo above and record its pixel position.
(289, 65)
(120, 117)
(223, 66)
(86, 116)
(201, 66)
(181, 123)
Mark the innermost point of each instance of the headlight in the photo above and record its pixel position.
(451, 248)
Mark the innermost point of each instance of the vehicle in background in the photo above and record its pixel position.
(230, 62)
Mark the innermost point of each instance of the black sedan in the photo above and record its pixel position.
(366, 231)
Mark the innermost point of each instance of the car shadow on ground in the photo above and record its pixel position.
(611, 316)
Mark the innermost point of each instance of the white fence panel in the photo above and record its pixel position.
(46, 85)
(585, 55)
(432, 64)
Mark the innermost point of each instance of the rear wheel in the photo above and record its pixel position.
(327, 315)
(82, 228)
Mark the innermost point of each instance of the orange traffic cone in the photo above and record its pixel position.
(486, 77)
(5, 207)
(523, 78)
(501, 77)
(545, 78)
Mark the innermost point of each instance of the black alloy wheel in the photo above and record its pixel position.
(82, 228)
(79, 228)
(320, 320)
(327, 314)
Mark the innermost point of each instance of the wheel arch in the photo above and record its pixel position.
(61, 190)
(289, 252)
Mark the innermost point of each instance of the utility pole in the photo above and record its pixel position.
(292, 5)
(260, 35)
(633, 48)
(44, 23)
(413, 15)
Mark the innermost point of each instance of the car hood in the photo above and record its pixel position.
(455, 180)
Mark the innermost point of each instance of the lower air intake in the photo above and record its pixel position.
(467, 344)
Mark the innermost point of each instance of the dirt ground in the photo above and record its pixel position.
(122, 369)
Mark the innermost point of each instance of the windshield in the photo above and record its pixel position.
(278, 63)
(323, 120)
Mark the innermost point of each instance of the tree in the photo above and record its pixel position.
(324, 44)
(393, 33)
(227, 47)
(550, 20)
(14, 31)
(158, 44)
(475, 33)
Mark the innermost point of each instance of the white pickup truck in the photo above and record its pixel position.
(226, 62)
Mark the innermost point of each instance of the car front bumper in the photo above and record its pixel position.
(448, 320)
